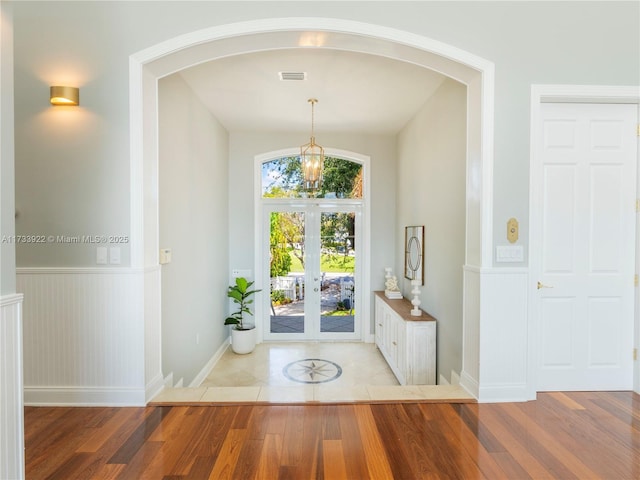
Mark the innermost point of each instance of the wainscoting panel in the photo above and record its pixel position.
(154, 381)
(469, 377)
(83, 332)
(11, 404)
(504, 335)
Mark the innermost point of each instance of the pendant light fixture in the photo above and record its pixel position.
(312, 159)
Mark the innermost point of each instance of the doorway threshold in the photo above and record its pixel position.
(307, 372)
(313, 394)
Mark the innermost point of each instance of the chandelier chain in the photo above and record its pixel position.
(312, 157)
(312, 101)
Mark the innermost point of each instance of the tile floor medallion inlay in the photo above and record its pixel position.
(312, 370)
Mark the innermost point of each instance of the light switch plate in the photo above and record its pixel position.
(165, 256)
(101, 255)
(236, 272)
(509, 253)
(114, 255)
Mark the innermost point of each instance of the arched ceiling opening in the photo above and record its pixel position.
(356, 92)
(363, 84)
(305, 35)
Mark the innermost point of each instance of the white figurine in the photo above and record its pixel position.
(391, 284)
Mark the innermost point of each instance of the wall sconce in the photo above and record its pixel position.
(64, 96)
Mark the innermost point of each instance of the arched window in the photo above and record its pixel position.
(282, 178)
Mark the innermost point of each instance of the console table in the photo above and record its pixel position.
(407, 342)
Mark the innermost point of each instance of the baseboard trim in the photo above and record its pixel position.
(210, 364)
(504, 393)
(469, 384)
(83, 397)
(154, 387)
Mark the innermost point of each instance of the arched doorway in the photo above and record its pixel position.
(176, 54)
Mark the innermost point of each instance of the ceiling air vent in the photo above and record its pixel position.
(292, 75)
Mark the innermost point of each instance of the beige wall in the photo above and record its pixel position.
(431, 192)
(193, 193)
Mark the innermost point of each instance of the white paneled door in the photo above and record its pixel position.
(583, 245)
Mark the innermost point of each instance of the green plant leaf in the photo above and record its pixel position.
(235, 294)
(242, 284)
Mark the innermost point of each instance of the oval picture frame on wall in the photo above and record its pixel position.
(414, 253)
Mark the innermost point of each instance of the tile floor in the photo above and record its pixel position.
(259, 377)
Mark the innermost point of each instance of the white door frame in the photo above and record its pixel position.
(147, 66)
(567, 94)
(364, 252)
(315, 207)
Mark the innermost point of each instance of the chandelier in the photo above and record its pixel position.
(312, 159)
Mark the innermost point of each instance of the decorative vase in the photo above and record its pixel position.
(243, 341)
(415, 311)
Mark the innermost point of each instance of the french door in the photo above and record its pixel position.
(310, 255)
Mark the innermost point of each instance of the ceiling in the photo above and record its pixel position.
(356, 92)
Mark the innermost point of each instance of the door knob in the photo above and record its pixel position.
(315, 289)
(542, 285)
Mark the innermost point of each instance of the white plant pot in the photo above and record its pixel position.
(243, 341)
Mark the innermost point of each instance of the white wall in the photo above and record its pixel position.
(431, 192)
(11, 397)
(72, 165)
(194, 219)
(381, 149)
(7, 192)
(72, 174)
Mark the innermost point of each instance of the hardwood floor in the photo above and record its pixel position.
(561, 435)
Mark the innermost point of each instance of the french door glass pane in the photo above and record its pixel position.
(287, 264)
(337, 265)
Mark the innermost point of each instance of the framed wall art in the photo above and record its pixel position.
(414, 253)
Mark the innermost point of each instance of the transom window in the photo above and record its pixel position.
(282, 178)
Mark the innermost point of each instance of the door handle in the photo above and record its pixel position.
(315, 289)
(542, 285)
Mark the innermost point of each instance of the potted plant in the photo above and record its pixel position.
(243, 338)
